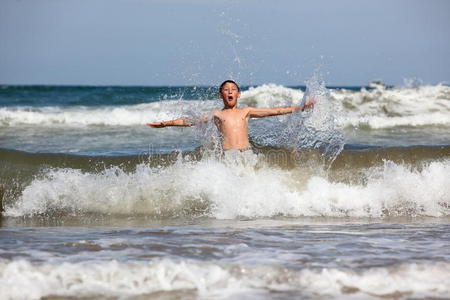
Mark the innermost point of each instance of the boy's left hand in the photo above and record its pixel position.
(309, 104)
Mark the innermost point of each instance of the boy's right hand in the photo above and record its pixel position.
(156, 125)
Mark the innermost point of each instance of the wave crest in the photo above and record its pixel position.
(21, 279)
(376, 108)
(239, 186)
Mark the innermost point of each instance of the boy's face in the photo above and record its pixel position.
(230, 94)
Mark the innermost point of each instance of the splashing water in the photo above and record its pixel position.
(209, 136)
(315, 128)
(310, 129)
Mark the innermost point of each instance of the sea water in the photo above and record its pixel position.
(348, 201)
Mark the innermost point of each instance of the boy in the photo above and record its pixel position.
(232, 121)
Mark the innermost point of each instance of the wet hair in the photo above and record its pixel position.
(229, 81)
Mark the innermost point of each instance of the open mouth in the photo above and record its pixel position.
(230, 97)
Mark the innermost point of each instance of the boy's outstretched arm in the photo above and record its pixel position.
(275, 111)
(179, 122)
(176, 122)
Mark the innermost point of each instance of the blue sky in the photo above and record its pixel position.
(201, 42)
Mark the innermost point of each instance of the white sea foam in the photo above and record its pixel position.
(130, 115)
(239, 185)
(269, 95)
(402, 106)
(24, 280)
(376, 108)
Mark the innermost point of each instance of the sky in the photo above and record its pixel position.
(203, 42)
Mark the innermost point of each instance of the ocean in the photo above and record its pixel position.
(350, 200)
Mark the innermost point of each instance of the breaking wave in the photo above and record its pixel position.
(376, 108)
(240, 185)
(24, 280)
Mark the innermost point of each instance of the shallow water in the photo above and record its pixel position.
(266, 258)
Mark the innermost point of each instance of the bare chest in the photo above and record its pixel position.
(232, 120)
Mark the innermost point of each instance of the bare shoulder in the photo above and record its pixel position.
(246, 109)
